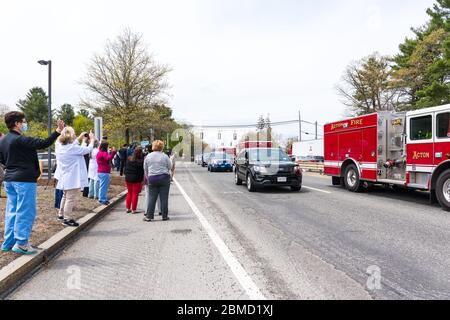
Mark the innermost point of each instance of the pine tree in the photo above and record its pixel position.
(35, 106)
(422, 68)
(67, 114)
(261, 123)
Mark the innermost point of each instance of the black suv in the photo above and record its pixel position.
(267, 167)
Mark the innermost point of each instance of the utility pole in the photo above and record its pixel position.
(316, 130)
(299, 126)
(49, 111)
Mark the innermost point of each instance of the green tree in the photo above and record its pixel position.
(82, 124)
(67, 114)
(3, 128)
(84, 113)
(35, 105)
(422, 68)
(3, 110)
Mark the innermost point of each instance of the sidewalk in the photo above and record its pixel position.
(123, 257)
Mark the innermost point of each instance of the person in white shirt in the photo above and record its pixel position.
(94, 182)
(73, 172)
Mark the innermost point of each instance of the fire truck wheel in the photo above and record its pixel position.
(443, 190)
(351, 179)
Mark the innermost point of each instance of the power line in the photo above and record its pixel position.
(236, 126)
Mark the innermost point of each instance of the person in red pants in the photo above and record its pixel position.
(134, 177)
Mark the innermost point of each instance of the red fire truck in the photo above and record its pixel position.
(408, 149)
(254, 144)
(231, 150)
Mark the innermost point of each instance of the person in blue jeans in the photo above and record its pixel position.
(157, 166)
(18, 154)
(104, 171)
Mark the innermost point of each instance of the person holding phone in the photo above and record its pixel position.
(104, 159)
(73, 172)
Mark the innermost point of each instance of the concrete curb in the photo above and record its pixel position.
(17, 271)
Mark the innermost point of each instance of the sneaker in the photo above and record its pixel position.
(129, 211)
(147, 219)
(166, 219)
(27, 249)
(6, 249)
(106, 203)
(70, 223)
(60, 217)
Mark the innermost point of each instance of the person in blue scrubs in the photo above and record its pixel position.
(18, 154)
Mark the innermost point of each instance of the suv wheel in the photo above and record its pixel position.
(250, 185)
(351, 179)
(237, 180)
(443, 190)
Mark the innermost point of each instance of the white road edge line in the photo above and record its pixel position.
(239, 272)
(314, 189)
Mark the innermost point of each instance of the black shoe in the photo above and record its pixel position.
(147, 219)
(71, 223)
(166, 219)
(128, 211)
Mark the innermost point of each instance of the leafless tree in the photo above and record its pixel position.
(366, 86)
(124, 83)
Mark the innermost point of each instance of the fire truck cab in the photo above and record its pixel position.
(408, 149)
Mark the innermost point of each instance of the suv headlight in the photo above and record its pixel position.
(260, 169)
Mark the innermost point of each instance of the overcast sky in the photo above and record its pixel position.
(232, 59)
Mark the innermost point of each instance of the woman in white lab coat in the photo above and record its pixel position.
(73, 171)
(94, 182)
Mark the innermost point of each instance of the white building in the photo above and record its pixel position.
(219, 137)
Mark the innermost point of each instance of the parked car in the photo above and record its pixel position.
(220, 161)
(43, 156)
(205, 159)
(267, 167)
(198, 159)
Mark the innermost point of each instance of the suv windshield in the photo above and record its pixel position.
(268, 155)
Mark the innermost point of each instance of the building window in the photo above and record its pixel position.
(443, 125)
(421, 128)
(219, 136)
(235, 136)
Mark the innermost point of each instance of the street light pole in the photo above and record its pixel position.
(299, 126)
(49, 122)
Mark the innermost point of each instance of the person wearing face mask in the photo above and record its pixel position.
(18, 154)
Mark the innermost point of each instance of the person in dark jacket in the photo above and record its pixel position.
(18, 154)
(123, 158)
(134, 176)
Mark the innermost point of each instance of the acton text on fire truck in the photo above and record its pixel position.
(407, 149)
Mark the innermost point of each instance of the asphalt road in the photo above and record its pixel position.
(327, 243)
(321, 243)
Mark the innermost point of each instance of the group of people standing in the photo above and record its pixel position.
(83, 164)
(154, 171)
